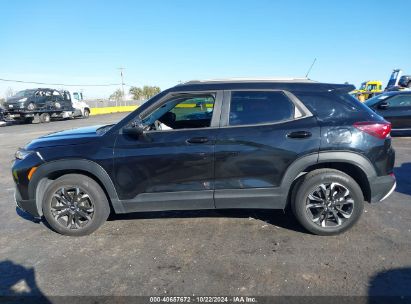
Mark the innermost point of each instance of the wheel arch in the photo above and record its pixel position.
(50, 171)
(355, 165)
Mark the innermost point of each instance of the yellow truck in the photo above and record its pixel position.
(367, 90)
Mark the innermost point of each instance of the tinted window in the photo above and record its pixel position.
(330, 106)
(400, 101)
(259, 107)
(372, 101)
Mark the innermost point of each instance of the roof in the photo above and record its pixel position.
(289, 84)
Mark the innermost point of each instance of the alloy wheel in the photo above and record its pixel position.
(329, 205)
(72, 207)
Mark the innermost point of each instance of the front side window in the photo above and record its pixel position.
(259, 107)
(400, 101)
(183, 112)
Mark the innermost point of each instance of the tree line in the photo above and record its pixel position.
(144, 93)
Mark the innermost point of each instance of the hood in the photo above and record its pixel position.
(13, 100)
(64, 138)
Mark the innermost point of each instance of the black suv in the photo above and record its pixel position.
(35, 100)
(226, 144)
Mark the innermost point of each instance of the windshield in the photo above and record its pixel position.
(372, 101)
(24, 93)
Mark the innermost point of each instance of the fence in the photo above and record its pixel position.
(103, 103)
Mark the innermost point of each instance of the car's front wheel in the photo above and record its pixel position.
(75, 205)
(327, 202)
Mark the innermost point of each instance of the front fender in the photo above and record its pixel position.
(41, 179)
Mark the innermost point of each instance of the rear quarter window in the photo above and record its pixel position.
(331, 106)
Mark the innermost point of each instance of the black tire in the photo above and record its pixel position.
(28, 120)
(86, 113)
(314, 219)
(409, 85)
(45, 117)
(96, 200)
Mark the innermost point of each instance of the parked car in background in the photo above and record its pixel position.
(262, 144)
(45, 104)
(2, 118)
(398, 81)
(395, 107)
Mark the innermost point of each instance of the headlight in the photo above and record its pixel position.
(22, 154)
(23, 99)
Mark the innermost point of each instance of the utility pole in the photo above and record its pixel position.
(122, 82)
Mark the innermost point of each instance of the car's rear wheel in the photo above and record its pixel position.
(75, 205)
(327, 202)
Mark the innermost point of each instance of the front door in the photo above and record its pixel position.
(170, 166)
(263, 132)
(397, 111)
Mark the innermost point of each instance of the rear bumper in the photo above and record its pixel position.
(382, 187)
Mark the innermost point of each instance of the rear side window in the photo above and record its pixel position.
(258, 107)
(330, 106)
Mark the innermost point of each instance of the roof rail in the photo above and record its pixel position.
(269, 79)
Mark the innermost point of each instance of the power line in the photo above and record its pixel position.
(62, 84)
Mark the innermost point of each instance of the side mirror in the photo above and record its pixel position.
(383, 105)
(135, 129)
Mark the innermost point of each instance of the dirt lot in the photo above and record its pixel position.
(204, 252)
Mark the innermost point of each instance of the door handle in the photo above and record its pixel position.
(299, 134)
(197, 140)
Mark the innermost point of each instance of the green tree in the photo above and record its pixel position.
(117, 95)
(150, 91)
(137, 93)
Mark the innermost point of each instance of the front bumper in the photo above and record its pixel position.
(382, 187)
(28, 206)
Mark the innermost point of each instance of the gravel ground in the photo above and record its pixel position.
(226, 252)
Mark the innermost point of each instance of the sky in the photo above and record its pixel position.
(164, 42)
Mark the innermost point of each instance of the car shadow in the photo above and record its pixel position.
(27, 216)
(277, 218)
(403, 177)
(18, 284)
(391, 286)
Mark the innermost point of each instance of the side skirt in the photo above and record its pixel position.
(261, 198)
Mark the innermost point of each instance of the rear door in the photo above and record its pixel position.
(262, 132)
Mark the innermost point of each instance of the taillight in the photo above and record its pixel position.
(377, 129)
